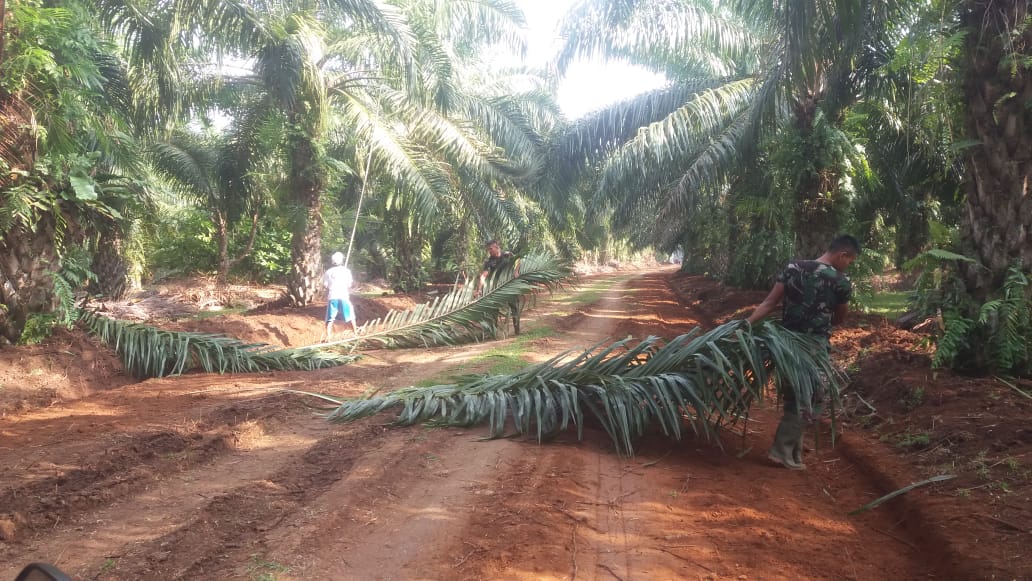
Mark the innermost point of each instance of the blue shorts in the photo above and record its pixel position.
(347, 312)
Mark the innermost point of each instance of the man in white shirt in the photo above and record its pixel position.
(337, 282)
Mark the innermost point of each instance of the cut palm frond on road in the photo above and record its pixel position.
(151, 352)
(461, 315)
(704, 380)
(147, 351)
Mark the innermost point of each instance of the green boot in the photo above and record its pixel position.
(787, 440)
(797, 449)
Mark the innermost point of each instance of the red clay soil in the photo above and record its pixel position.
(230, 477)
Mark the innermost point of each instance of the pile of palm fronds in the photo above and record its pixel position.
(702, 379)
(461, 315)
(151, 352)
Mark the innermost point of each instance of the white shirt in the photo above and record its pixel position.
(337, 281)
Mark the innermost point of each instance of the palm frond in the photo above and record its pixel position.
(660, 35)
(151, 352)
(460, 315)
(704, 380)
(395, 154)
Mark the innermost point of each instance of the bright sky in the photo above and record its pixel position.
(587, 86)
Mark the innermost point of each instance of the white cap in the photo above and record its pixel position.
(337, 258)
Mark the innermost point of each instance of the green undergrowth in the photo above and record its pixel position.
(887, 304)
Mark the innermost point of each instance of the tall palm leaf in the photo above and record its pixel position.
(702, 379)
(216, 171)
(796, 56)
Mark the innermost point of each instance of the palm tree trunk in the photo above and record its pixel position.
(307, 182)
(816, 221)
(109, 265)
(912, 230)
(408, 251)
(998, 88)
(26, 286)
(814, 216)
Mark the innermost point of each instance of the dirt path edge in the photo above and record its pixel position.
(887, 473)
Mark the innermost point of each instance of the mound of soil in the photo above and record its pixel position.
(940, 423)
(68, 365)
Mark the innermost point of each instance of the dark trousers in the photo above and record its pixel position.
(515, 308)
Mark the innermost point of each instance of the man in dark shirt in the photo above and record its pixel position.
(497, 260)
(816, 296)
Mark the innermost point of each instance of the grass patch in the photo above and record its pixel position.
(586, 295)
(504, 359)
(914, 440)
(888, 304)
(911, 398)
(258, 569)
(201, 315)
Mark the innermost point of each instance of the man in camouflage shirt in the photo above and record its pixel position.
(816, 296)
(498, 260)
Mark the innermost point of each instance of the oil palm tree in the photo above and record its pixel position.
(218, 171)
(360, 93)
(738, 70)
(65, 151)
(998, 125)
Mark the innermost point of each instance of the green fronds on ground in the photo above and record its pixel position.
(151, 352)
(461, 315)
(702, 380)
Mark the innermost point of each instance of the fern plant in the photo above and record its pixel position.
(702, 380)
(939, 285)
(1008, 324)
(74, 274)
(993, 335)
(955, 342)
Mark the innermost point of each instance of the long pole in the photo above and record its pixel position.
(3, 13)
(358, 210)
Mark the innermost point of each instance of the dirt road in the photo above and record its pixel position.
(208, 477)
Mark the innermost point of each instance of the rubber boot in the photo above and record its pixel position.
(788, 436)
(797, 449)
(514, 311)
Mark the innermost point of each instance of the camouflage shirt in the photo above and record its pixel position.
(496, 263)
(812, 292)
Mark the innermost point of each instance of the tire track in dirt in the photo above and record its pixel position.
(395, 514)
(230, 528)
(105, 487)
(73, 471)
(94, 541)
